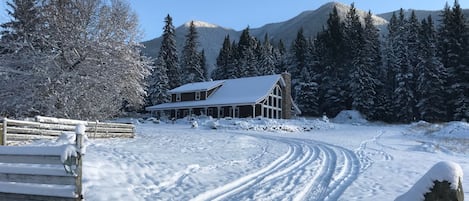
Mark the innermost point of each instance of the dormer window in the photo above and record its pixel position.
(197, 95)
(178, 97)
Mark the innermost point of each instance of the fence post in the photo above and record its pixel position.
(80, 131)
(4, 133)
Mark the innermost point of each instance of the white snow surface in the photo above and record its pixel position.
(264, 159)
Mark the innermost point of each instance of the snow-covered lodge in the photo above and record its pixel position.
(266, 96)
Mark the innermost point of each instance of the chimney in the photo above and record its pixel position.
(286, 99)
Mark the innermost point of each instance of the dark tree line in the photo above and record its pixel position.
(416, 71)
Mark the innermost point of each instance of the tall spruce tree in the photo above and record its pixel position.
(266, 63)
(432, 75)
(191, 58)
(331, 88)
(224, 60)
(364, 81)
(454, 48)
(245, 56)
(168, 54)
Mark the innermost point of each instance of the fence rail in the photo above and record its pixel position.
(42, 173)
(49, 127)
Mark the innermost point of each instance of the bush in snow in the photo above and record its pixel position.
(350, 117)
(441, 182)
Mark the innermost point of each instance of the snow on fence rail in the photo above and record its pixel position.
(48, 127)
(42, 173)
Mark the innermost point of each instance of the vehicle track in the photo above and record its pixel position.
(309, 170)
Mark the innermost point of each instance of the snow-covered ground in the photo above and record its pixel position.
(261, 159)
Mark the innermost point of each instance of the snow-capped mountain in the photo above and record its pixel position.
(211, 36)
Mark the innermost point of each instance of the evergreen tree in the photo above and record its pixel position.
(168, 54)
(158, 84)
(298, 62)
(331, 88)
(281, 55)
(224, 60)
(18, 33)
(266, 63)
(354, 64)
(404, 94)
(431, 80)
(245, 57)
(364, 82)
(454, 48)
(190, 61)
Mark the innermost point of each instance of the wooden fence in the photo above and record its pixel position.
(48, 127)
(41, 173)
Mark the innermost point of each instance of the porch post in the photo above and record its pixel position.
(233, 111)
(218, 112)
(253, 111)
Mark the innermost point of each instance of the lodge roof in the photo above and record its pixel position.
(240, 91)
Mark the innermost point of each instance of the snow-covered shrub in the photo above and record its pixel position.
(350, 117)
(443, 171)
(194, 124)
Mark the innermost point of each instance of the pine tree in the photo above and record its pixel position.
(18, 34)
(431, 80)
(245, 57)
(168, 54)
(364, 81)
(224, 59)
(298, 62)
(404, 94)
(454, 48)
(331, 88)
(190, 61)
(266, 63)
(158, 84)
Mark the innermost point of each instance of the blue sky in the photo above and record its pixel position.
(254, 13)
(242, 13)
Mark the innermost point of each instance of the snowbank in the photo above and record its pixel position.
(350, 117)
(453, 130)
(442, 171)
(265, 124)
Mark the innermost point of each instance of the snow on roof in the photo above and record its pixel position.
(197, 86)
(249, 90)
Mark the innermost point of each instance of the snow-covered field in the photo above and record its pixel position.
(261, 159)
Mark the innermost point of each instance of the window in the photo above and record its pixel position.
(197, 95)
(178, 97)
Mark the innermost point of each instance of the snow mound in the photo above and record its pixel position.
(442, 171)
(458, 130)
(265, 124)
(423, 127)
(350, 117)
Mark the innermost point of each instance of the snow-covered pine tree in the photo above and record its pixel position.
(454, 48)
(158, 84)
(364, 82)
(354, 65)
(245, 57)
(266, 63)
(334, 73)
(192, 70)
(404, 94)
(223, 60)
(168, 53)
(298, 60)
(432, 75)
(281, 55)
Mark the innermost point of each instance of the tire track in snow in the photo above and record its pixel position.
(309, 170)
